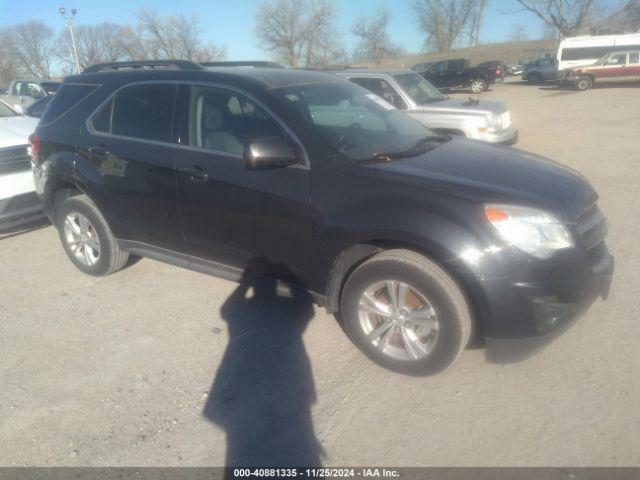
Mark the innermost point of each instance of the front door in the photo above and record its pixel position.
(438, 74)
(231, 214)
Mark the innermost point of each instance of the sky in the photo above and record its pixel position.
(231, 22)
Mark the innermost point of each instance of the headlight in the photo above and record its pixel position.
(533, 231)
(500, 121)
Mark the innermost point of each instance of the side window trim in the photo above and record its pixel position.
(89, 121)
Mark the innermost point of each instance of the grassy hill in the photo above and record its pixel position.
(510, 52)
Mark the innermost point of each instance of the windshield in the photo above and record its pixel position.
(418, 88)
(6, 111)
(353, 121)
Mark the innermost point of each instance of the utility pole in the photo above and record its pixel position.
(69, 19)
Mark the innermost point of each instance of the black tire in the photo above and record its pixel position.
(478, 85)
(430, 280)
(111, 258)
(583, 83)
(534, 78)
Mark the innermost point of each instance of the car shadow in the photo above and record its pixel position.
(263, 390)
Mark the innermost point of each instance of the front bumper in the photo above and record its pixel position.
(535, 304)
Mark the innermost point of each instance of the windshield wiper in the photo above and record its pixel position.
(416, 149)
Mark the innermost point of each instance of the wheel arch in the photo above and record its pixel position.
(352, 257)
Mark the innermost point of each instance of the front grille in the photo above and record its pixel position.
(14, 159)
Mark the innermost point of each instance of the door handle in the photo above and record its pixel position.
(195, 174)
(99, 151)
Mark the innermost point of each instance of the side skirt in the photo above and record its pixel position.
(214, 269)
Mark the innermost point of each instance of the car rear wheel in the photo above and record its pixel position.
(87, 239)
(583, 83)
(478, 85)
(406, 313)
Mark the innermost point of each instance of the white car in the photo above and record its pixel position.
(18, 200)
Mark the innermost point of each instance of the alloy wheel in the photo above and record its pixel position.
(477, 86)
(398, 320)
(82, 238)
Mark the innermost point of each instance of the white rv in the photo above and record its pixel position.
(585, 50)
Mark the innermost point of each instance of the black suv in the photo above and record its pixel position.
(457, 73)
(417, 240)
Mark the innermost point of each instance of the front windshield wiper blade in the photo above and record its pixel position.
(417, 148)
(414, 150)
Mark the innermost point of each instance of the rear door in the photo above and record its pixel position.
(132, 147)
(231, 214)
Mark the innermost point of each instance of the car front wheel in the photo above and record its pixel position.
(583, 83)
(87, 239)
(406, 313)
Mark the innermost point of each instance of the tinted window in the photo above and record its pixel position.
(37, 108)
(144, 111)
(634, 57)
(227, 122)
(67, 97)
(102, 120)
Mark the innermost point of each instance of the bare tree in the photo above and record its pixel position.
(443, 21)
(175, 36)
(374, 43)
(626, 18)
(568, 17)
(298, 32)
(31, 46)
(95, 44)
(8, 67)
(475, 24)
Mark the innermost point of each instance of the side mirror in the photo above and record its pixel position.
(270, 152)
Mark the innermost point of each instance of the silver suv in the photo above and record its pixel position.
(406, 90)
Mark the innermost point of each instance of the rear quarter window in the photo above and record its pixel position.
(66, 98)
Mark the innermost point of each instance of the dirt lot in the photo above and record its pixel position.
(137, 368)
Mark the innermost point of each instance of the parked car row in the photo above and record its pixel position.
(416, 238)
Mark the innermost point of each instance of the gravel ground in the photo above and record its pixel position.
(137, 368)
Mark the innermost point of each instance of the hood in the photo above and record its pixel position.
(464, 105)
(489, 173)
(16, 130)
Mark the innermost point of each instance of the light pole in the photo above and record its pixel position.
(69, 19)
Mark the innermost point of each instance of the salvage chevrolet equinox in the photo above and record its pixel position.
(416, 241)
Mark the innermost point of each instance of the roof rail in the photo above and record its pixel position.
(243, 63)
(143, 64)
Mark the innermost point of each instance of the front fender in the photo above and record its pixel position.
(359, 232)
